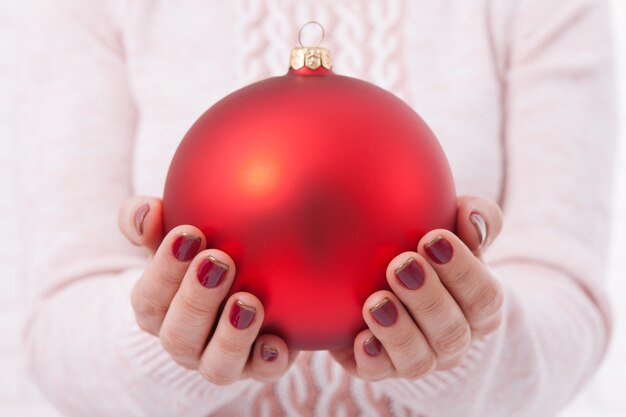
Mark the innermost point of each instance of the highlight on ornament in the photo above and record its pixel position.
(312, 182)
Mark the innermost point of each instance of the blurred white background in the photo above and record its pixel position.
(604, 396)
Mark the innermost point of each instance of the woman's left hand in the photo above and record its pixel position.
(443, 297)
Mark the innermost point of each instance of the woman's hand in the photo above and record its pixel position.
(178, 299)
(443, 297)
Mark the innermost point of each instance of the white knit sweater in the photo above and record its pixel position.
(519, 92)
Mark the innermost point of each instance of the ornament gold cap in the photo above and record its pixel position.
(311, 57)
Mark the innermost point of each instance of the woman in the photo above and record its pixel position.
(518, 93)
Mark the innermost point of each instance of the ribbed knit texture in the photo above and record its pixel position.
(519, 92)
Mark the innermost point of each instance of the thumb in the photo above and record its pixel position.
(478, 222)
(140, 220)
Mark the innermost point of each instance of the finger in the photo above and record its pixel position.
(436, 313)
(366, 358)
(225, 357)
(270, 358)
(345, 358)
(195, 306)
(466, 278)
(479, 221)
(140, 220)
(371, 359)
(402, 340)
(153, 292)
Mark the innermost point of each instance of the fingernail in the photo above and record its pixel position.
(140, 215)
(241, 315)
(410, 274)
(481, 227)
(211, 272)
(268, 353)
(439, 250)
(185, 247)
(385, 313)
(372, 346)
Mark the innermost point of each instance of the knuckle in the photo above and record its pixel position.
(170, 281)
(431, 306)
(495, 323)
(146, 325)
(231, 349)
(192, 306)
(462, 276)
(191, 364)
(489, 327)
(148, 307)
(454, 339)
(488, 302)
(216, 375)
(420, 367)
(176, 346)
(450, 363)
(403, 342)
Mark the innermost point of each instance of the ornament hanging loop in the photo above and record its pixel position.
(308, 24)
(311, 57)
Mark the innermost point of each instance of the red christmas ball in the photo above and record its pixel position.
(312, 182)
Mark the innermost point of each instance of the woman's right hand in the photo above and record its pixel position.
(178, 299)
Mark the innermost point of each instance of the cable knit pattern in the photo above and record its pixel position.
(386, 44)
(251, 15)
(519, 93)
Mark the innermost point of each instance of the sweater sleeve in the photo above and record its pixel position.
(77, 121)
(559, 136)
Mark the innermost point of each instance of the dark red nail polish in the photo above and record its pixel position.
(385, 313)
(372, 346)
(185, 247)
(140, 216)
(410, 274)
(268, 353)
(439, 250)
(211, 272)
(241, 315)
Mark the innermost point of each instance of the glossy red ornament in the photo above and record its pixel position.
(312, 182)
